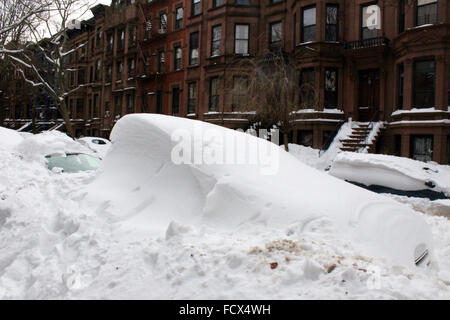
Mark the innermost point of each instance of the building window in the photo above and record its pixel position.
(331, 27)
(99, 37)
(195, 7)
(109, 73)
(309, 24)
(216, 3)
(110, 43)
(159, 101)
(241, 36)
(178, 56)
(307, 88)
(275, 34)
(81, 76)
(131, 67)
(175, 101)
(401, 16)
(98, 70)
(426, 12)
(193, 44)
(367, 33)
(401, 78)
(243, 2)
(331, 88)
(148, 29)
(162, 22)
(121, 44)
(96, 111)
(214, 94)
(119, 70)
(118, 106)
(240, 86)
(80, 108)
(132, 36)
(305, 137)
(179, 18)
(191, 97)
(422, 147)
(216, 38)
(161, 61)
(130, 103)
(424, 83)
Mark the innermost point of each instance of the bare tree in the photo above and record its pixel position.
(44, 61)
(271, 91)
(16, 16)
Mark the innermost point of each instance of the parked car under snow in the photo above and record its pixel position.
(141, 185)
(397, 175)
(58, 152)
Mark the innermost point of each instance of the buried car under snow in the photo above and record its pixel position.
(397, 175)
(143, 183)
(59, 152)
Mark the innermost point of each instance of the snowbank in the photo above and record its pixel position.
(139, 185)
(53, 246)
(390, 171)
(9, 138)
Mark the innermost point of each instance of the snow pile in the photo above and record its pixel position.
(99, 145)
(327, 157)
(140, 185)
(307, 155)
(390, 171)
(54, 247)
(9, 138)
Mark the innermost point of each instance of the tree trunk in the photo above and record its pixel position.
(33, 115)
(67, 122)
(285, 141)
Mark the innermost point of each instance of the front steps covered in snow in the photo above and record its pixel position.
(362, 137)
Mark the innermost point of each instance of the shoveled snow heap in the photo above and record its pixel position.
(9, 137)
(390, 171)
(142, 186)
(54, 247)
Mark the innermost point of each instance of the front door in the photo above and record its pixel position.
(369, 95)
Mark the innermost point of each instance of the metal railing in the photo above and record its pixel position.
(366, 43)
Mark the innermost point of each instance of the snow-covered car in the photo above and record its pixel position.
(99, 145)
(144, 184)
(397, 175)
(55, 149)
(72, 162)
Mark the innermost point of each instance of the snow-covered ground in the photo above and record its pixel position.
(54, 246)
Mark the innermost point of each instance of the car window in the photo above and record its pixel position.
(97, 141)
(73, 162)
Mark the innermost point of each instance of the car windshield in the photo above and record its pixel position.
(96, 141)
(73, 162)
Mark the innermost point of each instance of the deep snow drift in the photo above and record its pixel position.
(52, 246)
(139, 184)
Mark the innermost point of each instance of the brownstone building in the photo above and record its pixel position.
(178, 57)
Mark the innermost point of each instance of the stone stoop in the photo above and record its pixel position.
(356, 141)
